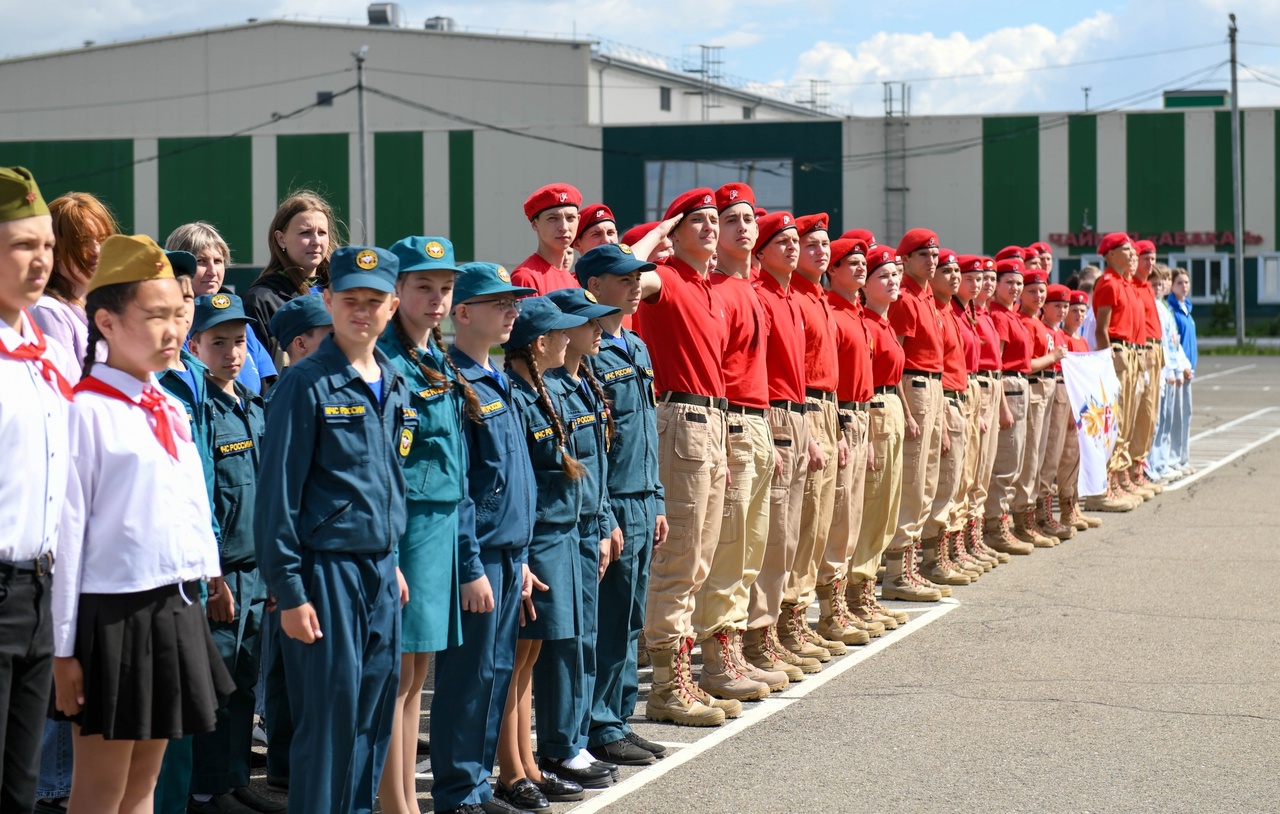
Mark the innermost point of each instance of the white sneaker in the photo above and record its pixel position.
(259, 735)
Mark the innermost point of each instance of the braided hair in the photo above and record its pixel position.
(569, 465)
(114, 298)
(432, 375)
(611, 429)
(468, 393)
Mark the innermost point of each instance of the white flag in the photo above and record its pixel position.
(1094, 391)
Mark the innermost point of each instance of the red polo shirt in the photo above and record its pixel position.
(968, 335)
(821, 366)
(684, 327)
(1077, 344)
(954, 373)
(1016, 357)
(1041, 335)
(887, 356)
(988, 341)
(1111, 291)
(746, 382)
(784, 349)
(852, 349)
(537, 273)
(915, 317)
(1151, 315)
(1060, 340)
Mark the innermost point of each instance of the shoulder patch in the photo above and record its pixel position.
(433, 392)
(235, 446)
(492, 407)
(543, 434)
(343, 410)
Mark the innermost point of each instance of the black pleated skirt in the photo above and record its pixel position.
(151, 669)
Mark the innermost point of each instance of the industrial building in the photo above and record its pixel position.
(219, 124)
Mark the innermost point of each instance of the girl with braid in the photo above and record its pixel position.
(436, 474)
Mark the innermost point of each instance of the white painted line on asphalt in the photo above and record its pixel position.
(1232, 423)
(757, 712)
(1190, 479)
(1226, 372)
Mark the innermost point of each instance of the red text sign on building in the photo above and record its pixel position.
(1161, 239)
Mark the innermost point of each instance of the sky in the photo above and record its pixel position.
(957, 56)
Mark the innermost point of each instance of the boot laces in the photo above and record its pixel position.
(726, 654)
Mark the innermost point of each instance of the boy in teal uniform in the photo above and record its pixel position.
(330, 510)
(219, 339)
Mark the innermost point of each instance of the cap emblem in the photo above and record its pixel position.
(220, 301)
(733, 194)
(435, 250)
(706, 199)
(624, 248)
(367, 260)
(590, 297)
(786, 219)
(503, 275)
(564, 196)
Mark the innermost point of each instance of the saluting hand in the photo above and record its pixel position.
(477, 595)
(68, 685)
(301, 623)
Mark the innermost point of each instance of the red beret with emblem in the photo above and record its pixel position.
(1042, 248)
(549, 197)
(813, 223)
(730, 194)
(591, 215)
(771, 225)
(691, 201)
(1079, 298)
(1010, 251)
(864, 235)
(970, 262)
(1057, 292)
(1144, 247)
(880, 256)
(1033, 276)
(761, 212)
(845, 246)
(1112, 241)
(946, 257)
(988, 263)
(1010, 265)
(634, 234)
(917, 239)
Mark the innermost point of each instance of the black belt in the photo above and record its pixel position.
(789, 406)
(1123, 344)
(820, 395)
(739, 409)
(1015, 374)
(879, 405)
(672, 397)
(1034, 377)
(927, 374)
(812, 408)
(854, 406)
(973, 377)
(39, 566)
(886, 388)
(991, 374)
(1151, 343)
(958, 395)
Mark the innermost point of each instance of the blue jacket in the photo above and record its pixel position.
(560, 500)
(627, 380)
(332, 477)
(237, 434)
(585, 421)
(498, 510)
(1186, 327)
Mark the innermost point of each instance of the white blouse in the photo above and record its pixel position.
(33, 435)
(135, 517)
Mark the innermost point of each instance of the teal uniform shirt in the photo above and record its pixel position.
(586, 422)
(626, 376)
(237, 429)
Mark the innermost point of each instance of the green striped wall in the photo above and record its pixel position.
(101, 168)
(320, 163)
(209, 180)
(1082, 175)
(1010, 181)
(1155, 155)
(1224, 207)
(397, 184)
(462, 194)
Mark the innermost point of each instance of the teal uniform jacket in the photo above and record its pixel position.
(436, 481)
(238, 424)
(334, 482)
(586, 422)
(199, 413)
(626, 376)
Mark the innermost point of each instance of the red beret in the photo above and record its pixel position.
(730, 194)
(917, 239)
(970, 262)
(691, 201)
(946, 256)
(1144, 247)
(988, 263)
(771, 225)
(1042, 248)
(861, 234)
(1079, 298)
(1033, 276)
(1010, 251)
(1010, 265)
(845, 246)
(1112, 241)
(812, 223)
(591, 215)
(880, 256)
(636, 232)
(1057, 293)
(549, 197)
(761, 212)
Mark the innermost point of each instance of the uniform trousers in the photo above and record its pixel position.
(1151, 361)
(950, 471)
(882, 489)
(990, 393)
(921, 458)
(846, 515)
(691, 467)
(26, 678)
(817, 505)
(790, 432)
(1069, 465)
(1129, 372)
(621, 618)
(1181, 446)
(744, 530)
(279, 718)
(1010, 448)
(1039, 399)
(971, 412)
(1057, 436)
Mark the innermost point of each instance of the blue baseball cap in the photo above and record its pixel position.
(485, 279)
(297, 316)
(424, 254)
(184, 263)
(363, 267)
(611, 258)
(538, 316)
(581, 303)
(215, 309)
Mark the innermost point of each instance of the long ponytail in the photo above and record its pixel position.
(571, 467)
(468, 392)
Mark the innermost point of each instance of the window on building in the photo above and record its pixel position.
(770, 178)
(748, 112)
(1210, 274)
(1269, 278)
(664, 99)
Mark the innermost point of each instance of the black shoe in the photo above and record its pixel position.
(257, 802)
(424, 747)
(656, 749)
(522, 794)
(257, 760)
(592, 777)
(218, 804)
(495, 806)
(558, 790)
(52, 805)
(622, 752)
(277, 783)
(614, 774)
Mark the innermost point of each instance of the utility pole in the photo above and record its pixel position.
(363, 146)
(1086, 90)
(1236, 187)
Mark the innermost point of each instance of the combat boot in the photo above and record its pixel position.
(1049, 524)
(1082, 518)
(855, 595)
(642, 653)
(792, 636)
(831, 625)
(899, 581)
(999, 537)
(913, 571)
(1141, 480)
(1129, 487)
(961, 556)
(979, 548)
(935, 567)
(1113, 500)
(758, 653)
(776, 680)
(1024, 528)
(720, 677)
(839, 597)
(1067, 514)
(671, 698)
(731, 708)
(901, 617)
(806, 665)
(833, 646)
